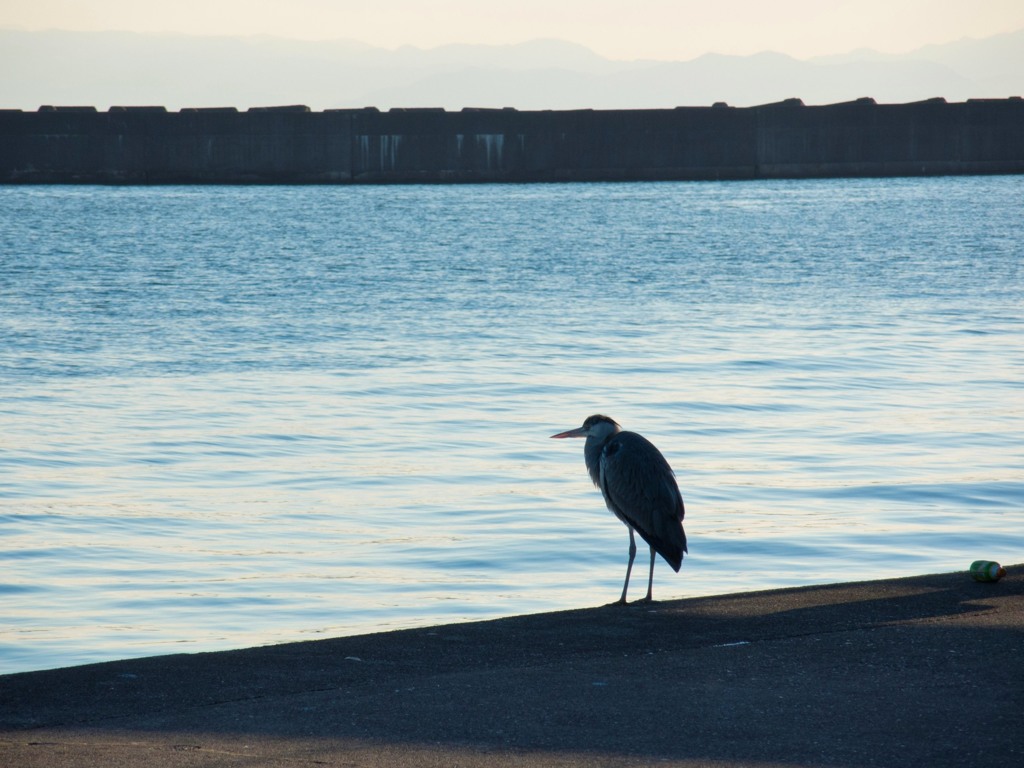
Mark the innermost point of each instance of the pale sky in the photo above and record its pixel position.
(616, 29)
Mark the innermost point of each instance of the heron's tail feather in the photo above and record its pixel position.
(672, 551)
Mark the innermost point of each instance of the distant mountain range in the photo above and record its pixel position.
(105, 69)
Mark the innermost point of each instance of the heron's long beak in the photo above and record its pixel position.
(578, 432)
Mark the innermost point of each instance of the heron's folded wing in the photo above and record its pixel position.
(641, 489)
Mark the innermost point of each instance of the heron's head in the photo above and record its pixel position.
(596, 426)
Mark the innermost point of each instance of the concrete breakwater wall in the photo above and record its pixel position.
(149, 145)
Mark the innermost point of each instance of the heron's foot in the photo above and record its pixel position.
(624, 601)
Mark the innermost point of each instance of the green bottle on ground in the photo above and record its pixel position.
(987, 570)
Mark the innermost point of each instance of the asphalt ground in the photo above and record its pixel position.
(925, 671)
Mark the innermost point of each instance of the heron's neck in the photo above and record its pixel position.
(592, 456)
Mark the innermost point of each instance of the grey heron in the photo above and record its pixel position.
(639, 487)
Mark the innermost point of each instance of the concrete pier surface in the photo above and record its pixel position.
(922, 671)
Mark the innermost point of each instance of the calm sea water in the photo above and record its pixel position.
(244, 415)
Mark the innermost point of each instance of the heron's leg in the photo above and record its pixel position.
(650, 580)
(629, 566)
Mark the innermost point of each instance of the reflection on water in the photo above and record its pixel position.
(236, 416)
